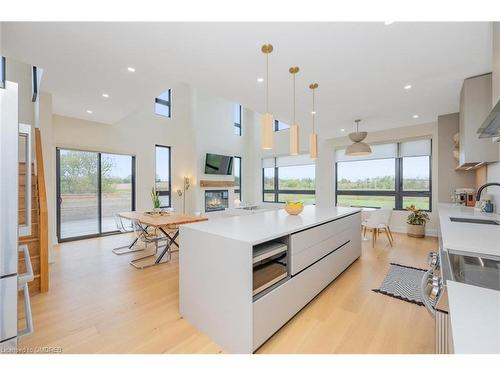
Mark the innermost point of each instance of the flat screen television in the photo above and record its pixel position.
(218, 164)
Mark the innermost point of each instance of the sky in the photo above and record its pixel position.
(122, 165)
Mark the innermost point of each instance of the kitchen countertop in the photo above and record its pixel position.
(475, 318)
(483, 239)
(264, 226)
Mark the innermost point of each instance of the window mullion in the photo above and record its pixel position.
(276, 180)
(99, 192)
(398, 184)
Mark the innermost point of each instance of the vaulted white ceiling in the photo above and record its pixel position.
(361, 68)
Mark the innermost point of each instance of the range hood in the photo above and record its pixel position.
(475, 106)
(491, 126)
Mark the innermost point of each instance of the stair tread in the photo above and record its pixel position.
(27, 239)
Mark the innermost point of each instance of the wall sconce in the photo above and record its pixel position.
(182, 193)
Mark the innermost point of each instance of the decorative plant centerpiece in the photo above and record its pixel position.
(294, 207)
(155, 199)
(416, 222)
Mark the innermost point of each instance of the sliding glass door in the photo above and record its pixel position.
(91, 188)
(117, 193)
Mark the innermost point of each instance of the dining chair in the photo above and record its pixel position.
(125, 228)
(148, 237)
(377, 221)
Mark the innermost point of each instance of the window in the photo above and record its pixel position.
(2, 72)
(162, 175)
(237, 177)
(279, 125)
(395, 175)
(288, 178)
(237, 119)
(163, 104)
(92, 187)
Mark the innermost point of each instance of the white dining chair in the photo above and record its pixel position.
(377, 221)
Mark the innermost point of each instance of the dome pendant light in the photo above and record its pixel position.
(294, 128)
(358, 148)
(313, 137)
(266, 129)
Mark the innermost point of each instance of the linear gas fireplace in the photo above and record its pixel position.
(216, 200)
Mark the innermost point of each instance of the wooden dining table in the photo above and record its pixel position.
(164, 223)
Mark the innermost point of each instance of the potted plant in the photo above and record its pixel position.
(155, 198)
(416, 222)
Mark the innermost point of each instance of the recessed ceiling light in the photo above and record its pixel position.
(342, 130)
(407, 87)
(105, 95)
(260, 80)
(130, 69)
(415, 116)
(387, 23)
(89, 111)
(313, 112)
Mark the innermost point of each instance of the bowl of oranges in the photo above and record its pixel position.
(294, 208)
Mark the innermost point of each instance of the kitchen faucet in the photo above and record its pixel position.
(480, 190)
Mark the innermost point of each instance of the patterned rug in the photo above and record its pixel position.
(403, 282)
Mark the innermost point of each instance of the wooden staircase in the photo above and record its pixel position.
(37, 241)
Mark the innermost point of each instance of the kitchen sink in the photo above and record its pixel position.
(474, 221)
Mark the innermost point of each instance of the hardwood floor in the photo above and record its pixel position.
(98, 303)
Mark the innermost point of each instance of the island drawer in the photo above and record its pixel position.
(310, 245)
(275, 308)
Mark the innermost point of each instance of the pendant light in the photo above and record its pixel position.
(313, 137)
(294, 128)
(358, 147)
(266, 129)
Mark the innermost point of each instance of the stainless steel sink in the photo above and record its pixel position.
(474, 221)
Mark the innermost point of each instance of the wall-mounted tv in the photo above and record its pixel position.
(218, 164)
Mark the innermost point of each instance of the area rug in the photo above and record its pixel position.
(403, 282)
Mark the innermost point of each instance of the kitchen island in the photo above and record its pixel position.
(242, 278)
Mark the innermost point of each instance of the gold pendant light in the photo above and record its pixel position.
(313, 137)
(358, 148)
(294, 128)
(266, 129)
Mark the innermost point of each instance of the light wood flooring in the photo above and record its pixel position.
(98, 303)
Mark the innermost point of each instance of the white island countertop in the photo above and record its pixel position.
(483, 239)
(475, 318)
(265, 226)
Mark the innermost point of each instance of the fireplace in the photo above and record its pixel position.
(216, 200)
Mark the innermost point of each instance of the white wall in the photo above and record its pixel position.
(20, 72)
(213, 133)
